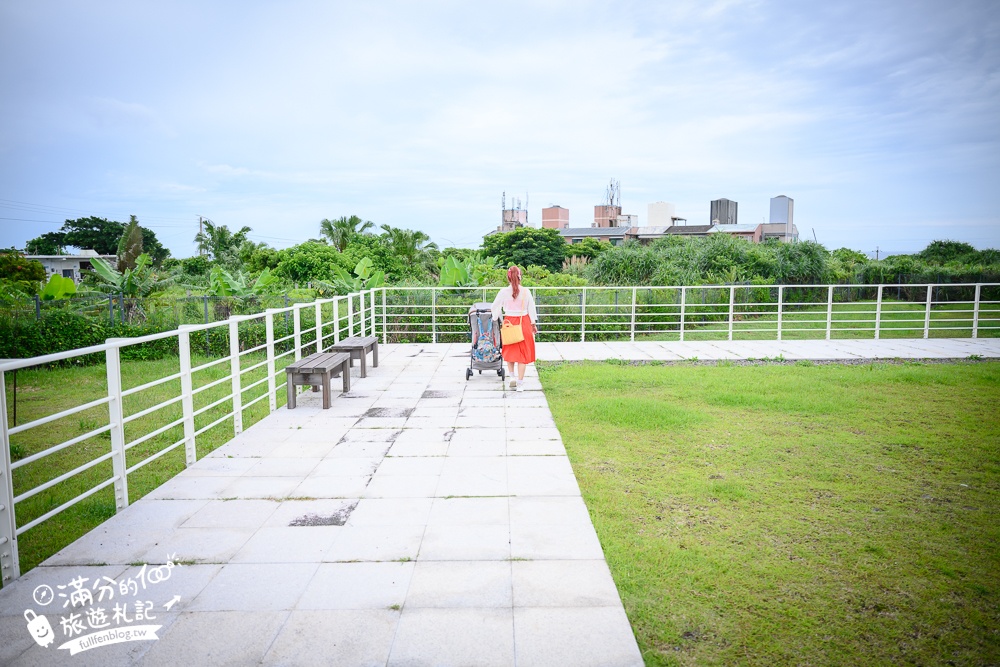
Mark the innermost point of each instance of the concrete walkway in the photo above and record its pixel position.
(422, 520)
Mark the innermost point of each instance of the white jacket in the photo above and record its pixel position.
(524, 304)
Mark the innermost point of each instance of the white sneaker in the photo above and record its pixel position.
(513, 384)
(520, 387)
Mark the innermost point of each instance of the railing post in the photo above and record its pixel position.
(829, 311)
(732, 302)
(583, 314)
(361, 313)
(434, 330)
(272, 392)
(683, 309)
(781, 305)
(878, 312)
(234, 370)
(350, 316)
(927, 313)
(385, 319)
(975, 313)
(297, 330)
(116, 415)
(187, 397)
(10, 567)
(632, 325)
(372, 312)
(319, 326)
(336, 319)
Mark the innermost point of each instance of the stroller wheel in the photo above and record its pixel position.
(468, 374)
(480, 372)
(500, 372)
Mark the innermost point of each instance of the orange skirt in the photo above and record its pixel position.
(523, 352)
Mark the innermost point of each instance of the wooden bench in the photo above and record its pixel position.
(316, 370)
(358, 347)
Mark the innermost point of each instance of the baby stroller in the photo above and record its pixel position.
(485, 332)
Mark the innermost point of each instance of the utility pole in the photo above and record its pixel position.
(876, 253)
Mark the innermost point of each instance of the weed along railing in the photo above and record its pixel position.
(723, 312)
(95, 428)
(162, 402)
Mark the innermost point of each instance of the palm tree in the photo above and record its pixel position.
(410, 246)
(219, 242)
(339, 232)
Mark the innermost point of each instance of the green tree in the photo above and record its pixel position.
(14, 267)
(942, 252)
(49, 243)
(93, 233)
(221, 244)
(412, 248)
(383, 259)
(341, 232)
(255, 257)
(588, 247)
(526, 246)
(309, 261)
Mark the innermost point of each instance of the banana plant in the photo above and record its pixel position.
(132, 283)
(457, 274)
(58, 287)
(224, 284)
(364, 277)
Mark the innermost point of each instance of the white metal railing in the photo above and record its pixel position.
(436, 314)
(712, 312)
(331, 319)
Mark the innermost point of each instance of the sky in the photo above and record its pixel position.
(880, 119)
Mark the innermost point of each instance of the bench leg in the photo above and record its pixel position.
(345, 370)
(326, 390)
(290, 391)
(364, 363)
(375, 354)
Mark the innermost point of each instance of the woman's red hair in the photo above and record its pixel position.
(514, 278)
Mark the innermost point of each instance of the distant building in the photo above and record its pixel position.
(662, 214)
(782, 223)
(750, 232)
(555, 217)
(648, 234)
(782, 210)
(70, 266)
(512, 219)
(787, 233)
(613, 235)
(606, 216)
(723, 212)
(690, 230)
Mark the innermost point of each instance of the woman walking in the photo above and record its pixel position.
(519, 310)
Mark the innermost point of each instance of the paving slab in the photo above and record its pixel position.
(422, 519)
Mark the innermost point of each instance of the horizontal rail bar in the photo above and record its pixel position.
(58, 448)
(149, 385)
(63, 477)
(152, 434)
(158, 406)
(59, 415)
(66, 505)
(150, 459)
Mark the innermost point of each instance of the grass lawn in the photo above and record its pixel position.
(794, 514)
